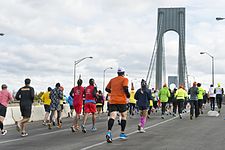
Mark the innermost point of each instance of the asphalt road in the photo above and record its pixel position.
(172, 133)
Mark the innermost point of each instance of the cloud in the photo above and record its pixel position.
(43, 39)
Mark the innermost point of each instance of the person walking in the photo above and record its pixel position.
(118, 89)
(5, 97)
(26, 97)
(193, 92)
(55, 95)
(77, 93)
(90, 105)
(201, 93)
(219, 96)
(143, 97)
(47, 101)
(164, 95)
(211, 96)
(180, 96)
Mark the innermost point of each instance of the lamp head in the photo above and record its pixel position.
(219, 18)
(202, 52)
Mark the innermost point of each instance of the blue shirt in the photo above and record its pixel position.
(143, 96)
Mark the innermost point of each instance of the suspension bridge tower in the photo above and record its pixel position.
(169, 19)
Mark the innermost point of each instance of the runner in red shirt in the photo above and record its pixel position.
(77, 93)
(90, 105)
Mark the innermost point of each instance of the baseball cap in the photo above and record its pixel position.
(121, 69)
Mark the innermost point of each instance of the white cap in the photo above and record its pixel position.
(120, 69)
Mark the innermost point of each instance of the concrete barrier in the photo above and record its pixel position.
(13, 113)
(38, 113)
(8, 118)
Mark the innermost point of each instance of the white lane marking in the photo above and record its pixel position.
(100, 143)
(22, 138)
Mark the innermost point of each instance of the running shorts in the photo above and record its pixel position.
(26, 110)
(118, 107)
(2, 110)
(78, 108)
(47, 108)
(89, 108)
(142, 107)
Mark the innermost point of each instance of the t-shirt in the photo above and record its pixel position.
(25, 95)
(78, 94)
(89, 92)
(5, 97)
(46, 98)
(117, 95)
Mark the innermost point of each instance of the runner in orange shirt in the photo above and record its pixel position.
(118, 89)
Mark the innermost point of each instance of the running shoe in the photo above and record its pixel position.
(18, 127)
(93, 129)
(59, 125)
(139, 128)
(180, 116)
(83, 128)
(142, 130)
(119, 123)
(4, 132)
(108, 137)
(49, 126)
(24, 134)
(191, 117)
(53, 123)
(123, 136)
(162, 117)
(73, 129)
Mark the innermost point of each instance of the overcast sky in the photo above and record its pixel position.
(43, 38)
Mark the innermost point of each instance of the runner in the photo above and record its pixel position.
(219, 96)
(211, 96)
(5, 97)
(132, 101)
(26, 97)
(90, 105)
(201, 93)
(69, 100)
(99, 102)
(164, 95)
(56, 94)
(118, 89)
(193, 91)
(143, 96)
(47, 101)
(180, 96)
(77, 93)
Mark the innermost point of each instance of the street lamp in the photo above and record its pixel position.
(75, 65)
(104, 79)
(212, 65)
(219, 18)
(2, 34)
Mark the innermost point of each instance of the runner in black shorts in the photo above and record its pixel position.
(118, 89)
(26, 97)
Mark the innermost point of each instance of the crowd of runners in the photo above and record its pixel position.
(121, 100)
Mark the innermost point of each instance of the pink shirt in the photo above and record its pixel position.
(5, 97)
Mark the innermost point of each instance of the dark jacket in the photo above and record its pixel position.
(143, 97)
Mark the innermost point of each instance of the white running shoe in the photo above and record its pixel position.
(142, 130)
(4, 132)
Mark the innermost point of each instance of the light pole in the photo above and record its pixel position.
(103, 88)
(212, 65)
(2, 34)
(75, 65)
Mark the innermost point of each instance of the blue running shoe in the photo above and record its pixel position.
(123, 136)
(109, 137)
